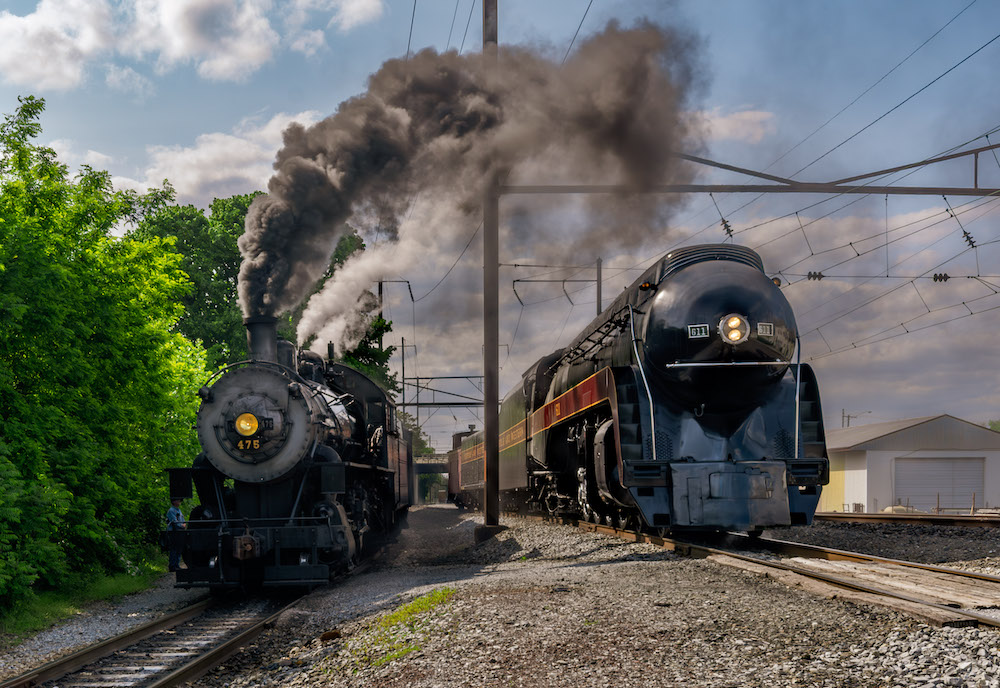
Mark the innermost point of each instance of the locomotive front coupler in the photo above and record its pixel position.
(246, 546)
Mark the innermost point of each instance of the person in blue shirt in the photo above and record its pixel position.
(175, 523)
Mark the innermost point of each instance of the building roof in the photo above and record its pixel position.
(929, 432)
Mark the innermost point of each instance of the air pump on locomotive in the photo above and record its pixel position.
(679, 407)
(303, 461)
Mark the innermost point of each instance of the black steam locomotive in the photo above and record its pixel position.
(679, 407)
(303, 461)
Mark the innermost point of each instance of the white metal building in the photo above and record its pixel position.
(937, 462)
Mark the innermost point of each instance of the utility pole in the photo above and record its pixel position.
(845, 417)
(491, 318)
(402, 351)
(599, 308)
(380, 312)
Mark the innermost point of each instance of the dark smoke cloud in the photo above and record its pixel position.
(436, 127)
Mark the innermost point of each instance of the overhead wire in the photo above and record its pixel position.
(840, 112)
(579, 26)
(901, 103)
(868, 90)
(410, 37)
(468, 21)
(906, 331)
(894, 289)
(453, 15)
(896, 265)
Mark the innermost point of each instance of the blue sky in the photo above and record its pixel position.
(198, 91)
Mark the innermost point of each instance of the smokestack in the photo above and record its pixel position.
(262, 338)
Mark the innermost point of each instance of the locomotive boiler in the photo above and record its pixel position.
(303, 462)
(679, 407)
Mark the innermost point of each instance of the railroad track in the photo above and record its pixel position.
(965, 520)
(938, 595)
(168, 651)
(171, 650)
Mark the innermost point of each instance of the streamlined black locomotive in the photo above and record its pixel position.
(303, 462)
(679, 407)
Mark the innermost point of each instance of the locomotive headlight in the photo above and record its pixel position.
(246, 424)
(734, 328)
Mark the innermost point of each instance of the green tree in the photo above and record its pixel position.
(421, 445)
(429, 486)
(371, 359)
(96, 387)
(211, 259)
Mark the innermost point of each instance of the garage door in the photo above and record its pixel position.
(921, 482)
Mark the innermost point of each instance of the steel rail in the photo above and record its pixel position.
(693, 549)
(962, 520)
(219, 654)
(90, 654)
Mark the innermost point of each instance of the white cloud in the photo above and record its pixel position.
(127, 80)
(50, 48)
(97, 160)
(342, 14)
(227, 39)
(744, 125)
(350, 13)
(68, 155)
(219, 164)
(308, 42)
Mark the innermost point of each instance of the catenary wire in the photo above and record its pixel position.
(901, 103)
(410, 37)
(579, 26)
(842, 110)
(867, 90)
(453, 15)
(467, 22)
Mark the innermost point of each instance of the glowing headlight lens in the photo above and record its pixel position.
(734, 329)
(246, 424)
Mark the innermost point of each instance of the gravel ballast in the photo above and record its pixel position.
(545, 605)
(548, 605)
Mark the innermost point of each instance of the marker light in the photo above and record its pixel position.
(734, 329)
(246, 424)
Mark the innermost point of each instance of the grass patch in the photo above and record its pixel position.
(396, 654)
(46, 608)
(424, 603)
(395, 634)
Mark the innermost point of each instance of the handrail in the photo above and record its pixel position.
(723, 364)
(645, 383)
(798, 390)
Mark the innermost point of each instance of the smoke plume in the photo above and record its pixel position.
(412, 155)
